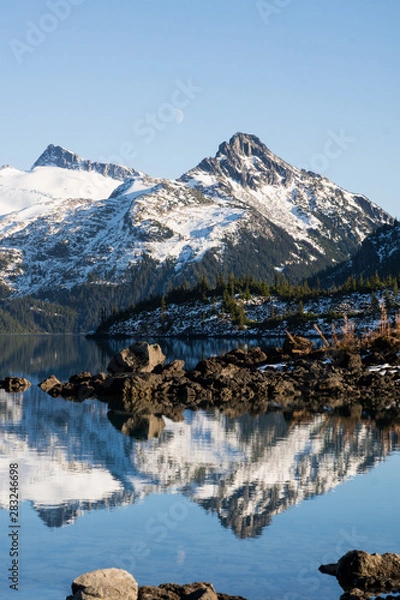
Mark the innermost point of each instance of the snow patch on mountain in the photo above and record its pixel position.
(20, 190)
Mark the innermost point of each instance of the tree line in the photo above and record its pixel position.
(232, 289)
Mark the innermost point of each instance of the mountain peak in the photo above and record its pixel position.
(245, 160)
(57, 156)
(243, 144)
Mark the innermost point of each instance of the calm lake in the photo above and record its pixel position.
(253, 505)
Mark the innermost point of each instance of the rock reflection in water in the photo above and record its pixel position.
(141, 427)
(246, 470)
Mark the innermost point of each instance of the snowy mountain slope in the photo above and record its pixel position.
(312, 209)
(20, 190)
(54, 241)
(174, 221)
(69, 221)
(69, 242)
(58, 175)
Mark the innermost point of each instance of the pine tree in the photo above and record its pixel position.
(374, 303)
(231, 284)
(163, 309)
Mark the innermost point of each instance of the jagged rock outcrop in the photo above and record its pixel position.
(228, 163)
(56, 156)
(138, 358)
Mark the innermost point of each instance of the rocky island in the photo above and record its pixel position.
(351, 378)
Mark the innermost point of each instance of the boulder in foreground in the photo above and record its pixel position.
(117, 584)
(105, 584)
(361, 574)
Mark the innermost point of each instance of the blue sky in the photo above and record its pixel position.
(159, 85)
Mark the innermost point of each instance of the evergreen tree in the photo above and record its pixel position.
(163, 309)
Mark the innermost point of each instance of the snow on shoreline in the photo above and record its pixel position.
(208, 319)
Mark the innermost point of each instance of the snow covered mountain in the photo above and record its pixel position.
(56, 156)
(58, 175)
(316, 220)
(70, 221)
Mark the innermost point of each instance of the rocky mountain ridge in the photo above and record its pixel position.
(78, 222)
(56, 156)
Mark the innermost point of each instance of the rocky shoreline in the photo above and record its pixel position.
(296, 378)
(263, 317)
(115, 584)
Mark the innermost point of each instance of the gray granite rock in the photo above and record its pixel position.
(105, 584)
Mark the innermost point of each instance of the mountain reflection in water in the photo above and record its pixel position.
(246, 470)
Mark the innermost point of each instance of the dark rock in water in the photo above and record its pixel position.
(239, 382)
(141, 427)
(172, 369)
(51, 385)
(112, 584)
(361, 574)
(138, 358)
(117, 584)
(329, 569)
(81, 377)
(227, 597)
(15, 384)
(252, 357)
(172, 591)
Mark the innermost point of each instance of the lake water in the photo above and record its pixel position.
(253, 505)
